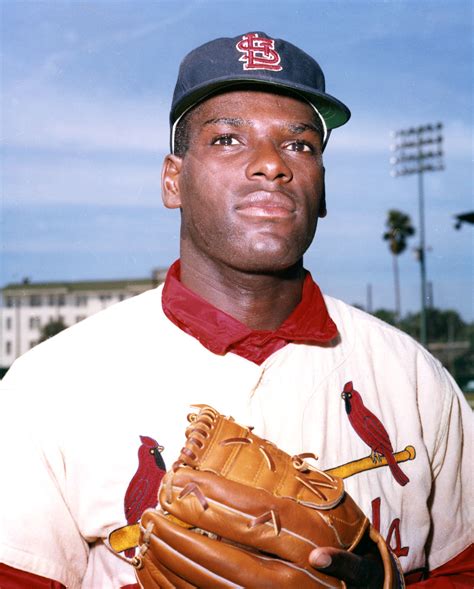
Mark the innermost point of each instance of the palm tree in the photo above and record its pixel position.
(399, 229)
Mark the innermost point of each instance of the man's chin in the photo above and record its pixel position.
(273, 254)
(263, 263)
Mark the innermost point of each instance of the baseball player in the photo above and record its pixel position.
(92, 418)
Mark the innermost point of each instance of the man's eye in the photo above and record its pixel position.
(225, 140)
(299, 146)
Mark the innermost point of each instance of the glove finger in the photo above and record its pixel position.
(254, 517)
(178, 582)
(153, 575)
(150, 576)
(392, 569)
(213, 564)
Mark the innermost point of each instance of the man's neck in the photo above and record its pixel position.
(259, 301)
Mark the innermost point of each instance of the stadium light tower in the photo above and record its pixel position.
(417, 150)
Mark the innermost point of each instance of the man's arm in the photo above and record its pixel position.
(37, 531)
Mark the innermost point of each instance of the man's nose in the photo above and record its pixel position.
(267, 161)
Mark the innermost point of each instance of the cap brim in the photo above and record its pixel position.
(334, 112)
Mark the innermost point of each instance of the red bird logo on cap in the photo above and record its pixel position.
(371, 430)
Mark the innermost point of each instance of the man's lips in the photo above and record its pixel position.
(266, 204)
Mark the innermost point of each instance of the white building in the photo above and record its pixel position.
(27, 307)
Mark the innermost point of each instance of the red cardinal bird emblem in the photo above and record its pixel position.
(371, 430)
(143, 488)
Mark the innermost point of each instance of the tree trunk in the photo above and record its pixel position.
(396, 279)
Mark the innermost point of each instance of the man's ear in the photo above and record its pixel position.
(170, 181)
(322, 205)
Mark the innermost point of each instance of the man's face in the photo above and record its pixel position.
(250, 187)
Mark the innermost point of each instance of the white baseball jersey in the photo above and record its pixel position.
(76, 409)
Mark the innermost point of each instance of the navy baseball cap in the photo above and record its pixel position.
(254, 59)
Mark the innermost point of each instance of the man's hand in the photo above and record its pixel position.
(356, 571)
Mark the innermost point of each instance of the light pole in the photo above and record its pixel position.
(417, 150)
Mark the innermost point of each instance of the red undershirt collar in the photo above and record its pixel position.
(309, 323)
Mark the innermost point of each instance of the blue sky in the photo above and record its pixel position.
(86, 89)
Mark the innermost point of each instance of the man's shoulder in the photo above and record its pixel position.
(132, 314)
(359, 317)
(358, 326)
(390, 355)
(110, 334)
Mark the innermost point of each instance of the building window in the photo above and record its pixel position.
(104, 298)
(8, 348)
(9, 302)
(61, 300)
(52, 300)
(8, 323)
(35, 322)
(35, 301)
(81, 300)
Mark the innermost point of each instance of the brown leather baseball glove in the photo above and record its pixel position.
(236, 511)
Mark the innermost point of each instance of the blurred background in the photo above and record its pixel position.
(86, 89)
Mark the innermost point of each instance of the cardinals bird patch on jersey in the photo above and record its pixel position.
(372, 431)
(143, 488)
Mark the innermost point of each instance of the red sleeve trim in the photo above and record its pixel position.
(11, 578)
(457, 573)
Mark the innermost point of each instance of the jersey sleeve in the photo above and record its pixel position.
(447, 429)
(37, 531)
(458, 573)
(11, 578)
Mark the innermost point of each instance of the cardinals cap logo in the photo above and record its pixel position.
(259, 53)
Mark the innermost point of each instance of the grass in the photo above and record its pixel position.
(470, 399)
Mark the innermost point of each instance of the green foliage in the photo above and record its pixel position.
(464, 367)
(399, 229)
(51, 328)
(386, 315)
(442, 325)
